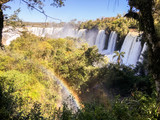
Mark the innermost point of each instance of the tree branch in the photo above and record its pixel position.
(40, 11)
(132, 14)
(4, 1)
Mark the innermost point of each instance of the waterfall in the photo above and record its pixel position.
(135, 52)
(100, 40)
(36, 30)
(9, 35)
(81, 33)
(142, 52)
(111, 43)
(91, 37)
(46, 32)
(68, 32)
(132, 49)
(127, 46)
(56, 32)
(131, 45)
(13, 37)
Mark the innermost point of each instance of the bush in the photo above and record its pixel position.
(123, 80)
(137, 107)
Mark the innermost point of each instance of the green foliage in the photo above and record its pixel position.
(69, 62)
(121, 79)
(35, 113)
(119, 56)
(92, 55)
(24, 43)
(13, 20)
(17, 85)
(157, 27)
(156, 11)
(137, 107)
(32, 95)
(5, 62)
(22, 84)
(119, 24)
(94, 111)
(24, 91)
(90, 111)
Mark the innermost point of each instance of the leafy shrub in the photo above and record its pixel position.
(119, 24)
(123, 80)
(137, 107)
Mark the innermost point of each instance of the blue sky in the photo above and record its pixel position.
(74, 9)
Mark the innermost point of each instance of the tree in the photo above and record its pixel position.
(143, 11)
(33, 4)
(119, 56)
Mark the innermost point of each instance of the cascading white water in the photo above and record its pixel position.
(135, 52)
(111, 44)
(100, 40)
(142, 52)
(13, 37)
(54, 32)
(46, 32)
(81, 33)
(131, 45)
(91, 37)
(126, 47)
(132, 49)
(68, 32)
(36, 30)
(62, 32)
(9, 35)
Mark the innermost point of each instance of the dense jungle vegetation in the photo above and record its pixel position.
(27, 93)
(107, 91)
(119, 24)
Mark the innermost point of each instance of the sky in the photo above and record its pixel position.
(81, 10)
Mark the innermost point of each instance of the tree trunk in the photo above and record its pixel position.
(119, 60)
(1, 25)
(153, 44)
(157, 81)
(155, 63)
